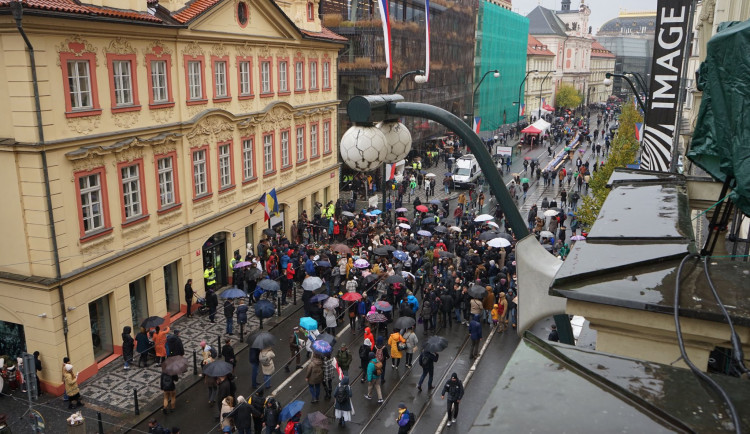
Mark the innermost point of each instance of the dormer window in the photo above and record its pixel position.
(310, 11)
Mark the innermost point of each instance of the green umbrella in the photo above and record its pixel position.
(524, 180)
(567, 148)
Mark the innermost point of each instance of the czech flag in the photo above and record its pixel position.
(390, 170)
(477, 124)
(639, 131)
(385, 19)
(523, 109)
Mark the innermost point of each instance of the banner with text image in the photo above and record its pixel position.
(670, 39)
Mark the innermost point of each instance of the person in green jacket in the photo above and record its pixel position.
(344, 359)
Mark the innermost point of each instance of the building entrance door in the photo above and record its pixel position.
(12, 339)
(215, 252)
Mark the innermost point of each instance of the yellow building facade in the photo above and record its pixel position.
(162, 125)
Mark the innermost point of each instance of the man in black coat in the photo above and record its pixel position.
(174, 344)
(212, 301)
(224, 390)
(455, 390)
(427, 362)
(229, 315)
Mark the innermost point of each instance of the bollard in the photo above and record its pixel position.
(135, 400)
(101, 425)
(278, 305)
(218, 348)
(195, 363)
(260, 318)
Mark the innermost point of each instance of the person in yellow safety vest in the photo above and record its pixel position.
(414, 165)
(209, 274)
(330, 209)
(419, 165)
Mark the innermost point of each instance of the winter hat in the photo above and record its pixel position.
(379, 341)
(371, 355)
(367, 342)
(203, 344)
(401, 405)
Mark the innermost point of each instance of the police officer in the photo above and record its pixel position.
(209, 275)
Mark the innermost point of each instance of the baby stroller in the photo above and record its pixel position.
(202, 307)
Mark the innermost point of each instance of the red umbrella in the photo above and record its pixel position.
(527, 158)
(422, 208)
(402, 219)
(352, 296)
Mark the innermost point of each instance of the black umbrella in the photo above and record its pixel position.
(441, 229)
(264, 340)
(371, 278)
(152, 321)
(264, 309)
(488, 235)
(331, 339)
(389, 247)
(268, 285)
(380, 251)
(314, 422)
(175, 365)
(395, 279)
(506, 236)
(218, 368)
(412, 247)
(444, 254)
(253, 273)
(435, 344)
(270, 232)
(477, 291)
(404, 322)
(435, 202)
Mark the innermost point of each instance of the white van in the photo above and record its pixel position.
(466, 171)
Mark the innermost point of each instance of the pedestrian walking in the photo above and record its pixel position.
(382, 354)
(258, 406)
(364, 357)
(229, 315)
(70, 379)
(271, 415)
(127, 346)
(227, 418)
(427, 362)
(212, 386)
(330, 318)
(169, 388)
(212, 301)
(344, 359)
(329, 371)
(295, 349)
(242, 316)
(174, 344)
(266, 362)
(404, 419)
(314, 377)
(343, 405)
(397, 344)
(227, 352)
(243, 416)
(374, 372)
(224, 389)
(475, 333)
(411, 345)
(455, 390)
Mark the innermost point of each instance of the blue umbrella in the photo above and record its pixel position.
(322, 347)
(424, 233)
(308, 323)
(376, 212)
(435, 202)
(268, 285)
(318, 298)
(290, 410)
(401, 256)
(233, 293)
(448, 174)
(323, 264)
(428, 220)
(264, 309)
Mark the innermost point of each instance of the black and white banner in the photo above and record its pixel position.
(666, 74)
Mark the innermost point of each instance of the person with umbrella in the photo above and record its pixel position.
(266, 362)
(427, 361)
(168, 386)
(142, 347)
(343, 404)
(295, 349)
(254, 355)
(314, 377)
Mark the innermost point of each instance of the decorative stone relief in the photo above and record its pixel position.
(157, 48)
(264, 51)
(245, 50)
(193, 110)
(247, 126)
(192, 49)
(126, 120)
(288, 175)
(97, 247)
(166, 147)
(120, 46)
(86, 164)
(202, 208)
(219, 50)
(227, 199)
(217, 126)
(135, 233)
(276, 117)
(170, 219)
(250, 190)
(74, 45)
(162, 116)
(129, 153)
(84, 125)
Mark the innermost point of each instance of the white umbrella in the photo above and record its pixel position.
(312, 283)
(483, 218)
(498, 242)
(493, 224)
(455, 229)
(546, 234)
(430, 175)
(404, 225)
(406, 274)
(551, 213)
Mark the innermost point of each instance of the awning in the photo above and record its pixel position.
(531, 130)
(541, 125)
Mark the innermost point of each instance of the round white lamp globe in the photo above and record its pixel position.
(398, 138)
(363, 148)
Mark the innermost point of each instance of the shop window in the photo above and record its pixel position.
(100, 319)
(138, 301)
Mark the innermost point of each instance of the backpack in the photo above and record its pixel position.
(379, 369)
(410, 424)
(422, 360)
(342, 395)
(379, 355)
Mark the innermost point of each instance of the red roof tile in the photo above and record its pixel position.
(535, 47)
(69, 6)
(325, 33)
(192, 10)
(598, 50)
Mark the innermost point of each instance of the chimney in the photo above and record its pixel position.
(565, 5)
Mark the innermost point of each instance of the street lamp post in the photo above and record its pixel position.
(541, 85)
(608, 82)
(496, 74)
(518, 119)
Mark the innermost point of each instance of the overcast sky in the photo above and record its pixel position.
(601, 10)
